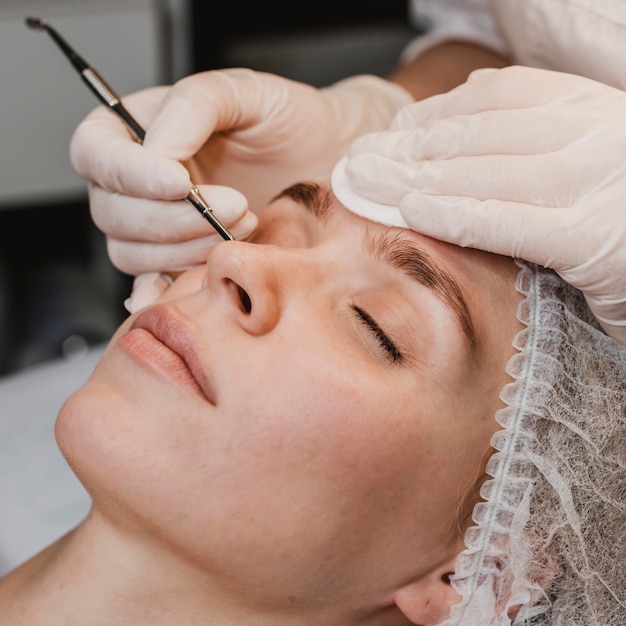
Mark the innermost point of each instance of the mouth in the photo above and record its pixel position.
(164, 344)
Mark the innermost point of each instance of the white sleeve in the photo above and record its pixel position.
(441, 20)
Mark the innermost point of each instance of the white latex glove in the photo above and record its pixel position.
(147, 289)
(251, 131)
(522, 162)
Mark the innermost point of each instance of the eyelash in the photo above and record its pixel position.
(392, 353)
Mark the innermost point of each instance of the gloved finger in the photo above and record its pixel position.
(491, 132)
(122, 165)
(147, 289)
(136, 258)
(213, 102)
(104, 151)
(500, 177)
(513, 87)
(481, 71)
(137, 219)
(611, 315)
(508, 228)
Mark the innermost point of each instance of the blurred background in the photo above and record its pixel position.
(59, 295)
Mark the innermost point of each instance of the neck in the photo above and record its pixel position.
(96, 575)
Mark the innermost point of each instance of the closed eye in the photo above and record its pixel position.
(386, 344)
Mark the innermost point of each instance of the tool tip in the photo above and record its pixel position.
(36, 23)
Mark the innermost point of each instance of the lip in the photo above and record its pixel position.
(164, 343)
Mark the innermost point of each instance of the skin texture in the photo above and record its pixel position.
(257, 452)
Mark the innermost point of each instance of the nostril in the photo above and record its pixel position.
(245, 300)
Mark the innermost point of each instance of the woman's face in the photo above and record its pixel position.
(303, 417)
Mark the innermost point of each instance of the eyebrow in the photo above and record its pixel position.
(316, 199)
(395, 250)
(412, 259)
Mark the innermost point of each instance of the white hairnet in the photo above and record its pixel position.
(548, 544)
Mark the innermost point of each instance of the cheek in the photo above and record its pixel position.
(330, 420)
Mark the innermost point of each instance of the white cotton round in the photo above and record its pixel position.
(374, 211)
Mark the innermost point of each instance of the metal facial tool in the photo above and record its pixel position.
(105, 94)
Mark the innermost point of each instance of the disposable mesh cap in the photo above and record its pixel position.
(548, 544)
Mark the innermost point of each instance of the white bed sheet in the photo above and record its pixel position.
(40, 498)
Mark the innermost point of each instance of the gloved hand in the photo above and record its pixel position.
(147, 289)
(522, 162)
(251, 131)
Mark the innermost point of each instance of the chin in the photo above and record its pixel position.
(72, 423)
(88, 433)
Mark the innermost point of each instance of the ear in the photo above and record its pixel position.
(428, 600)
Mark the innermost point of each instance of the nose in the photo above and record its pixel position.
(254, 279)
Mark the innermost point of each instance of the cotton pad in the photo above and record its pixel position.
(374, 211)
